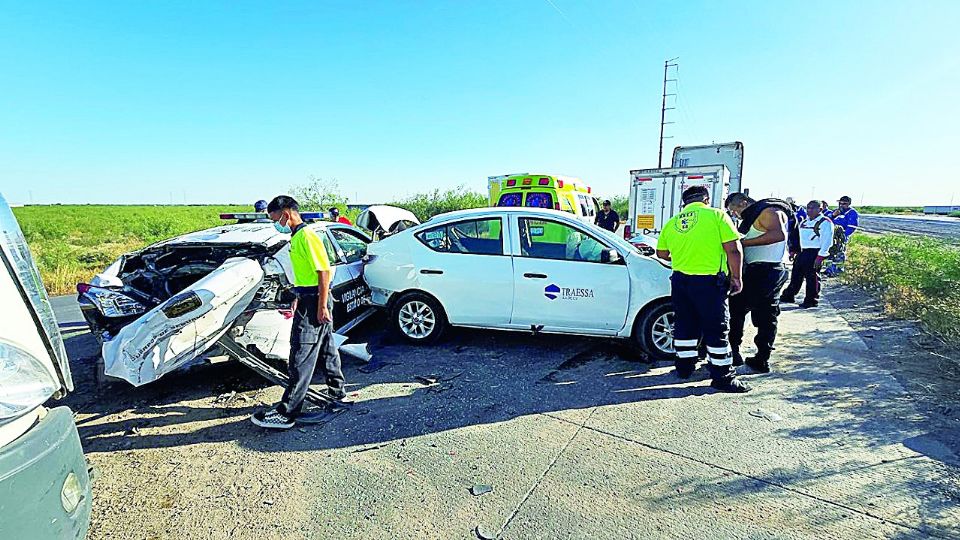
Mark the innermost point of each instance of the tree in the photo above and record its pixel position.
(319, 195)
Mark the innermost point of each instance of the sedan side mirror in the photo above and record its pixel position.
(610, 256)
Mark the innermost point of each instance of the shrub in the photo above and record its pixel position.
(916, 277)
(431, 203)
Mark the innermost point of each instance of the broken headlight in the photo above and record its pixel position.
(111, 303)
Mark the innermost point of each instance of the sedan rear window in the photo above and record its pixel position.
(477, 237)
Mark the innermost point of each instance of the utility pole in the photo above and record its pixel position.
(667, 64)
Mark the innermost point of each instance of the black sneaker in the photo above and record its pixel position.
(685, 370)
(731, 385)
(737, 359)
(788, 300)
(336, 393)
(272, 419)
(758, 364)
(808, 305)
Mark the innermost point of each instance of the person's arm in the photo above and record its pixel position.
(734, 264)
(773, 223)
(853, 221)
(826, 238)
(730, 240)
(318, 257)
(663, 246)
(323, 292)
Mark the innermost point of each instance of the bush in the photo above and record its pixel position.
(917, 278)
(319, 195)
(429, 204)
(955, 214)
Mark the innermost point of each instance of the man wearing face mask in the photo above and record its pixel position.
(312, 334)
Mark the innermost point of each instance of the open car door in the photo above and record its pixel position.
(185, 325)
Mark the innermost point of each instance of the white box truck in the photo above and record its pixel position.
(729, 154)
(655, 196)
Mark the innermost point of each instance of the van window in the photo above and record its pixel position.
(539, 200)
(542, 239)
(510, 199)
(477, 237)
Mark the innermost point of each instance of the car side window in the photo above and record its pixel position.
(477, 237)
(543, 239)
(353, 246)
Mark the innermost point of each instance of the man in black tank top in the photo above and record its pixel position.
(764, 226)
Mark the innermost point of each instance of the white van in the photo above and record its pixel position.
(44, 481)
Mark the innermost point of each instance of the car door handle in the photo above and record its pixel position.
(535, 276)
(429, 271)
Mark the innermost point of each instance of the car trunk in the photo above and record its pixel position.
(184, 325)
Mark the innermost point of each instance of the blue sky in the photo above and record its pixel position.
(148, 102)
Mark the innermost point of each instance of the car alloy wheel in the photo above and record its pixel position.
(417, 320)
(653, 331)
(661, 334)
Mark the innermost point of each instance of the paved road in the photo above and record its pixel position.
(938, 227)
(577, 439)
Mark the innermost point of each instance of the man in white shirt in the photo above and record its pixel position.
(816, 237)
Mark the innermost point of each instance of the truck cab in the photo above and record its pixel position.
(45, 489)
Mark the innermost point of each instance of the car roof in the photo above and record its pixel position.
(241, 233)
(490, 210)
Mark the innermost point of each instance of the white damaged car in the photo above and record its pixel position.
(521, 269)
(160, 307)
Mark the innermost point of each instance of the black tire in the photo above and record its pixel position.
(658, 348)
(422, 308)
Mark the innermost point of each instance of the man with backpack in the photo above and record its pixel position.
(764, 226)
(816, 239)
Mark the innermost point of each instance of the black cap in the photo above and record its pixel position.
(846, 199)
(606, 202)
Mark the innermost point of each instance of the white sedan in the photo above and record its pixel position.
(522, 269)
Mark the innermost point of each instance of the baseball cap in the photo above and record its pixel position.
(260, 206)
(606, 202)
(846, 199)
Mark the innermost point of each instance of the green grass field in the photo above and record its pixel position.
(73, 242)
(917, 278)
(890, 209)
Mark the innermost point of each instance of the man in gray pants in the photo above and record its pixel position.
(312, 334)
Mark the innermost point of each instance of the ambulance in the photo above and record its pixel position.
(554, 192)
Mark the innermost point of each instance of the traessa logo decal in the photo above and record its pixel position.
(554, 291)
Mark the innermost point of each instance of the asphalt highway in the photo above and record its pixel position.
(935, 226)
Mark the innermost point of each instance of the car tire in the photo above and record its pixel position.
(653, 331)
(418, 318)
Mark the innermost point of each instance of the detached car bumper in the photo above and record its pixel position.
(34, 470)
